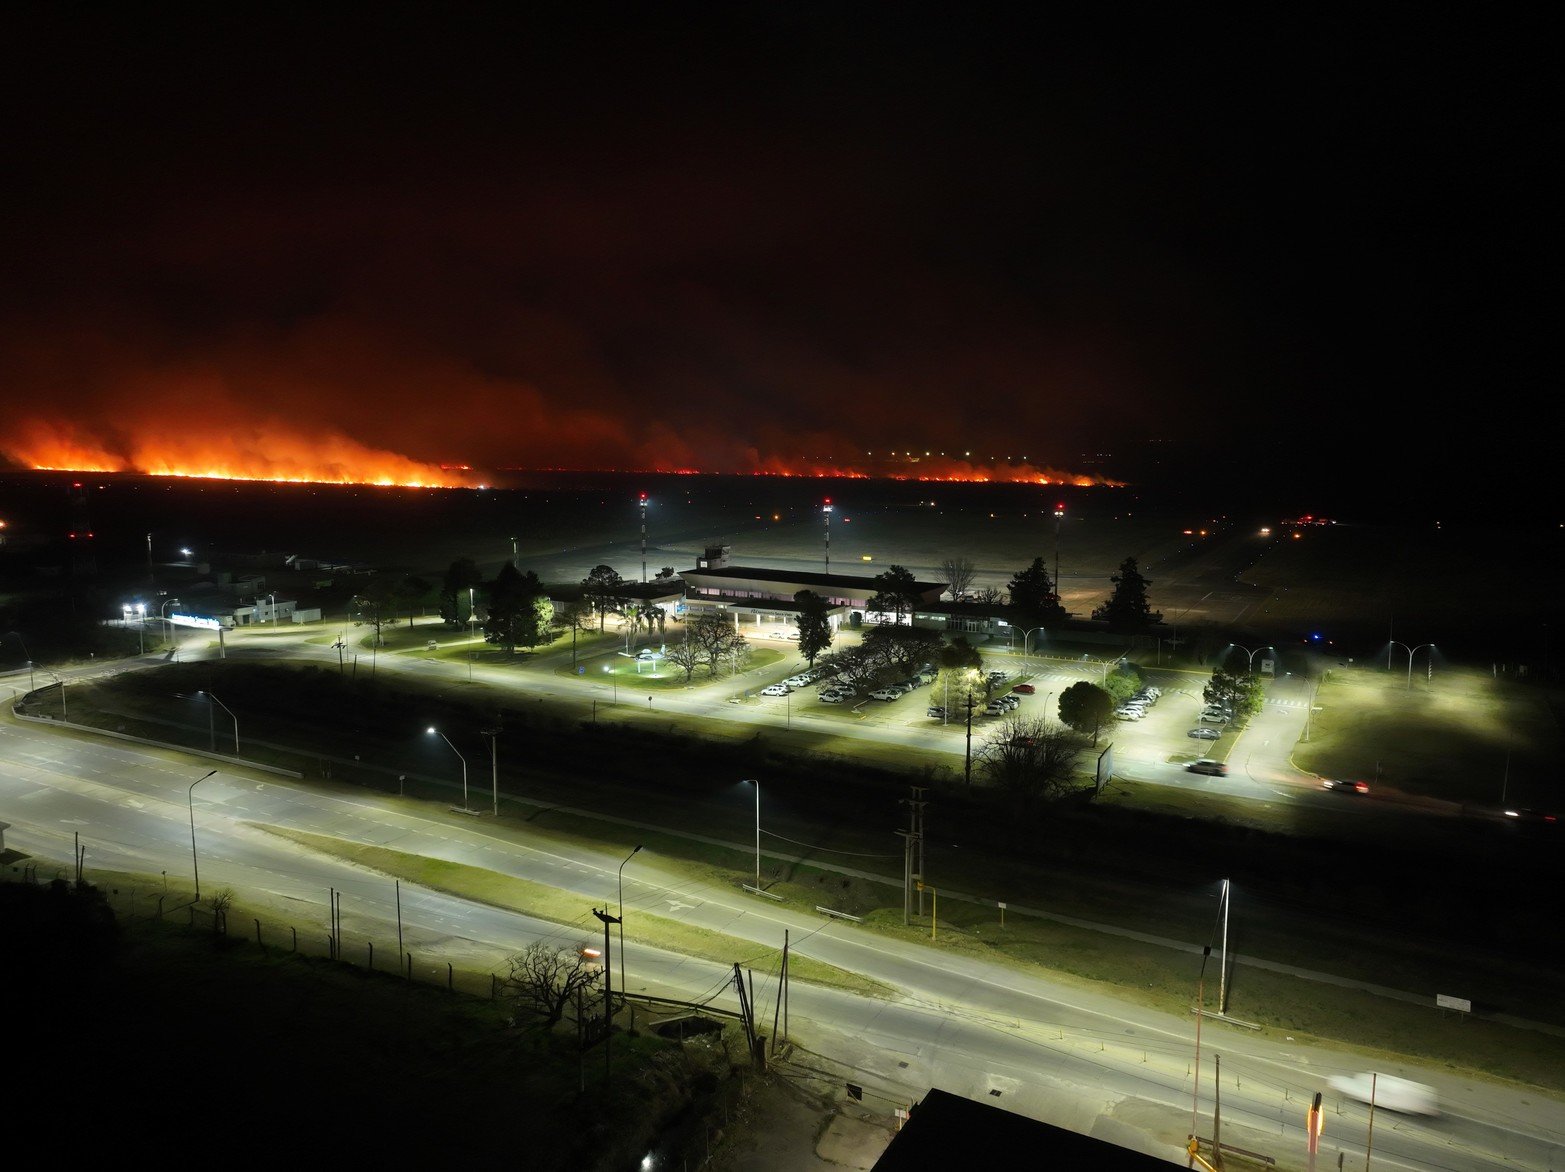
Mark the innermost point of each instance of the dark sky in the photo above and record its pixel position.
(736, 237)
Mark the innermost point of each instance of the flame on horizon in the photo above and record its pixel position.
(277, 454)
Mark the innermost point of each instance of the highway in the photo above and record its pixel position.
(1079, 1057)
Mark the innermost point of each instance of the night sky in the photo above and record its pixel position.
(365, 240)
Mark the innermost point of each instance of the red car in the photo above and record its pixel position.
(1024, 689)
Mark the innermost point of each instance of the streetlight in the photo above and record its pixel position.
(1250, 666)
(190, 799)
(1412, 651)
(272, 599)
(621, 922)
(436, 732)
(472, 626)
(1103, 664)
(168, 630)
(1026, 635)
(28, 655)
(125, 609)
(494, 764)
(213, 699)
(751, 781)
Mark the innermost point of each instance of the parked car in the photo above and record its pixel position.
(1024, 689)
(1213, 716)
(776, 690)
(1127, 714)
(797, 681)
(1207, 765)
(1012, 703)
(833, 698)
(936, 710)
(1204, 734)
(885, 694)
(1344, 786)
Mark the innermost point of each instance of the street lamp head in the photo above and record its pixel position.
(431, 730)
(637, 851)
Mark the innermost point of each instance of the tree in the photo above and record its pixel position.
(1233, 685)
(456, 604)
(605, 589)
(958, 573)
(1030, 761)
(961, 669)
(573, 617)
(411, 591)
(814, 626)
(989, 596)
(896, 593)
(375, 604)
(519, 610)
(716, 641)
(684, 655)
(1035, 601)
(545, 978)
(1126, 610)
(1086, 707)
(904, 648)
(219, 904)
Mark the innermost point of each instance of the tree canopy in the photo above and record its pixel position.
(814, 625)
(1035, 601)
(896, 593)
(1127, 610)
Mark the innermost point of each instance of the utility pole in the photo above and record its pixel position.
(907, 876)
(915, 806)
(608, 991)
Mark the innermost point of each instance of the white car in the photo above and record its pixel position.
(797, 681)
(1127, 714)
(776, 690)
(833, 698)
(885, 694)
(1214, 716)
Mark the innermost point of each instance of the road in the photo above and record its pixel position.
(1080, 1058)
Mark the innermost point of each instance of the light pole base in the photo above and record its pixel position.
(467, 810)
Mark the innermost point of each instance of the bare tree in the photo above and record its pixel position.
(220, 903)
(1031, 761)
(958, 573)
(545, 978)
(684, 655)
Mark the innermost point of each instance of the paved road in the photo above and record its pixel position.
(1079, 1058)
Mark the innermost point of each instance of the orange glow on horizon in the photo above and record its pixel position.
(281, 455)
